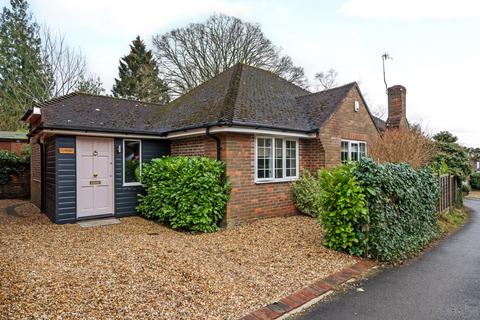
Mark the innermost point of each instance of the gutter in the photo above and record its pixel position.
(217, 140)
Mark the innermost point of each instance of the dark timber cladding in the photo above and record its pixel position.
(50, 178)
(126, 198)
(66, 187)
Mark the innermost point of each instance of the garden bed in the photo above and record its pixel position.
(140, 269)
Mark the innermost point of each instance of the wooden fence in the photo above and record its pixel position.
(448, 192)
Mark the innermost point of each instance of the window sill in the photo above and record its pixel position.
(276, 180)
(132, 184)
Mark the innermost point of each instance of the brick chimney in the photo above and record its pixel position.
(397, 109)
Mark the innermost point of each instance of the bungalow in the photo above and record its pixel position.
(87, 151)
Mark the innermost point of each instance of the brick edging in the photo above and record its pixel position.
(313, 291)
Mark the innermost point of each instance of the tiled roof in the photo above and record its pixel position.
(241, 95)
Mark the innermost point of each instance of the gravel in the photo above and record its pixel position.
(142, 269)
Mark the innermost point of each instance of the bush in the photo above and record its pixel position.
(475, 181)
(306, 194)
(188, 193)
(11, 164)
(402, 206)
(344, 211)
(466, 188)
(383, 211)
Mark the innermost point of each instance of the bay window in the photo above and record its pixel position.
(352, 150)
(276, 159)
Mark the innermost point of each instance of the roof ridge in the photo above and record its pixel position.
(116, 98)
(353, 83)
(230, 99)
(274, 74)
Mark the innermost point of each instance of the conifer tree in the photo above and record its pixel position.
(138, 76)
(24, 77)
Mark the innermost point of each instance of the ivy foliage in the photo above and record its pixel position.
(188, 193)
(382, 211)
(402, 206)
(11, 164)
(306, 193)
(344, 211)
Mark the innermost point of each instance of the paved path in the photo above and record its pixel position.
(442, 284)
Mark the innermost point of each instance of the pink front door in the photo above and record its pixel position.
(94, 177)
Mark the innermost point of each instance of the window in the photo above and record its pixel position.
(353, 150)
(276, 159)
(132, 162)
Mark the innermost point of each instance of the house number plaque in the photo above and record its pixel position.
(66, 150)
(95, 182)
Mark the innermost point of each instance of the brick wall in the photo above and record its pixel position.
(17, 187)
(196, 146)
(347, 124)
(16, 147)
(250, 200)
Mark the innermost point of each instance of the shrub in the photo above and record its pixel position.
(404, 145)
(344, 210)
(11, 164)
(475, 181)
(466, 188)
(188, 193)
(306, 193)
(383, 211)
(402, 206)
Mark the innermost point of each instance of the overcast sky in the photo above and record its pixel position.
(435, 45)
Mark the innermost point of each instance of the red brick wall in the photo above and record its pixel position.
(13, 146)
(17, 187)
(250, 200)
(196, 146)
(347, 124)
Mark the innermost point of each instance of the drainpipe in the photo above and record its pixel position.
(217, 140)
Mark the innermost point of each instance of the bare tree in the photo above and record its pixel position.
(327, 79)
(67, 66)
(191, 55)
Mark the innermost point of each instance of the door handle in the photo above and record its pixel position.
(95, 175)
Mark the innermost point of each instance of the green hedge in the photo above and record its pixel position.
(188, 193)
(402, 205)
(475, 181)
(382, 211)
(10, 164)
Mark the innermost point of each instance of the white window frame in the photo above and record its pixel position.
(350, 148)
(130, 184)
(284, 160)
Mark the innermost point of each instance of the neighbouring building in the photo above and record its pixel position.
(13, 141)
(87, 150)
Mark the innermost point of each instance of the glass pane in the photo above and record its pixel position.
(132, 161)
(363, 150)
(344, 152)
(291, 158)
(264, 158)
(278, 158)
(354, 151)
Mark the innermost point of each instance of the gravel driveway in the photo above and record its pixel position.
(141, 269)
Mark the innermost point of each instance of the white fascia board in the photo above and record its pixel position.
(234, 129)
(102, 134)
